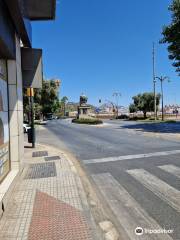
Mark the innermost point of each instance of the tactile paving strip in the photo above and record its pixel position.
(57, 220)
(40, 154)
(41, 170)
(53, 158)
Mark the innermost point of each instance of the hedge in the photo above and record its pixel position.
(90, 121)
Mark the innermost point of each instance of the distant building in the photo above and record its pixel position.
(172, 109)
(108, 108)
(72, 114)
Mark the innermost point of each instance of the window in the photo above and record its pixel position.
(4, 123)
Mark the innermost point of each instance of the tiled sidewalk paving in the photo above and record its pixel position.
(48, 202)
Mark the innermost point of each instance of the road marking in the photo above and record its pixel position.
(128, 212)
(164, 191)
(127, 157)
(171, 169)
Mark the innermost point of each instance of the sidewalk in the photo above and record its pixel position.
(48, 201)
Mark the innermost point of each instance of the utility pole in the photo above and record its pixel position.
(154, 84)
(117, 95)
(162, 94)
(162, 79)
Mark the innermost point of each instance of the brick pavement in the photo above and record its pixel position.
(48, 202)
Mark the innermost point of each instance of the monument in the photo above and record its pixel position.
(83, 108)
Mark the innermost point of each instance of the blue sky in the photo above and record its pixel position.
(98, 47)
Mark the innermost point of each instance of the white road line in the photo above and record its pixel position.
(127, 157)
(171, 169)
(128, 212)
(164, 191)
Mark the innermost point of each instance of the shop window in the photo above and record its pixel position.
(4, 123)
(1, 102)
(1, 133)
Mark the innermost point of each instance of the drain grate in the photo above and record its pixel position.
(40, 154)
(53, 158)
(41, 170)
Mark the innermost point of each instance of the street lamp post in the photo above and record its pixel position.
(155, 104)
(154, 84)
(162, 79)
(117, 95)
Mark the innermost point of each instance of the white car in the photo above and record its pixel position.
(43, 122)
(26, 127)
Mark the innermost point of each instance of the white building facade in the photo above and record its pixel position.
(15, 36)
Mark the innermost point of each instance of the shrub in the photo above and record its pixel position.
(90, 121)
(122, 116)
(170, 121)
(136, 118)
(151, 118)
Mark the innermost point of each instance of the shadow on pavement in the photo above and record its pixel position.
(154, 127)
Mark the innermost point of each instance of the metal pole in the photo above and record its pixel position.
(117, 102)
(154, 83)
(29, 112)
(32, 116)
(162, 99)
(162, 79)
(117, 95)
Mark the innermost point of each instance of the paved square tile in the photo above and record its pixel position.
(41, 170)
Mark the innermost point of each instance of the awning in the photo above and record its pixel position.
(41, 10)
(23, 11)
(32, 72)
(7, 32)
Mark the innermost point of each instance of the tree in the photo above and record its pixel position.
(63, 104)
(49, 97)
(46, 100)
(144, 102)
(171, 35)
(64, 99)
(37, 111)
(132, 108)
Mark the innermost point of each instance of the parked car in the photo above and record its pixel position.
(42, 122)
(49, 116)
(26, 127)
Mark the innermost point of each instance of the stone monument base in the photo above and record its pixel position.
(84, 112)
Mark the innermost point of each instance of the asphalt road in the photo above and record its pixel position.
(138, 175)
